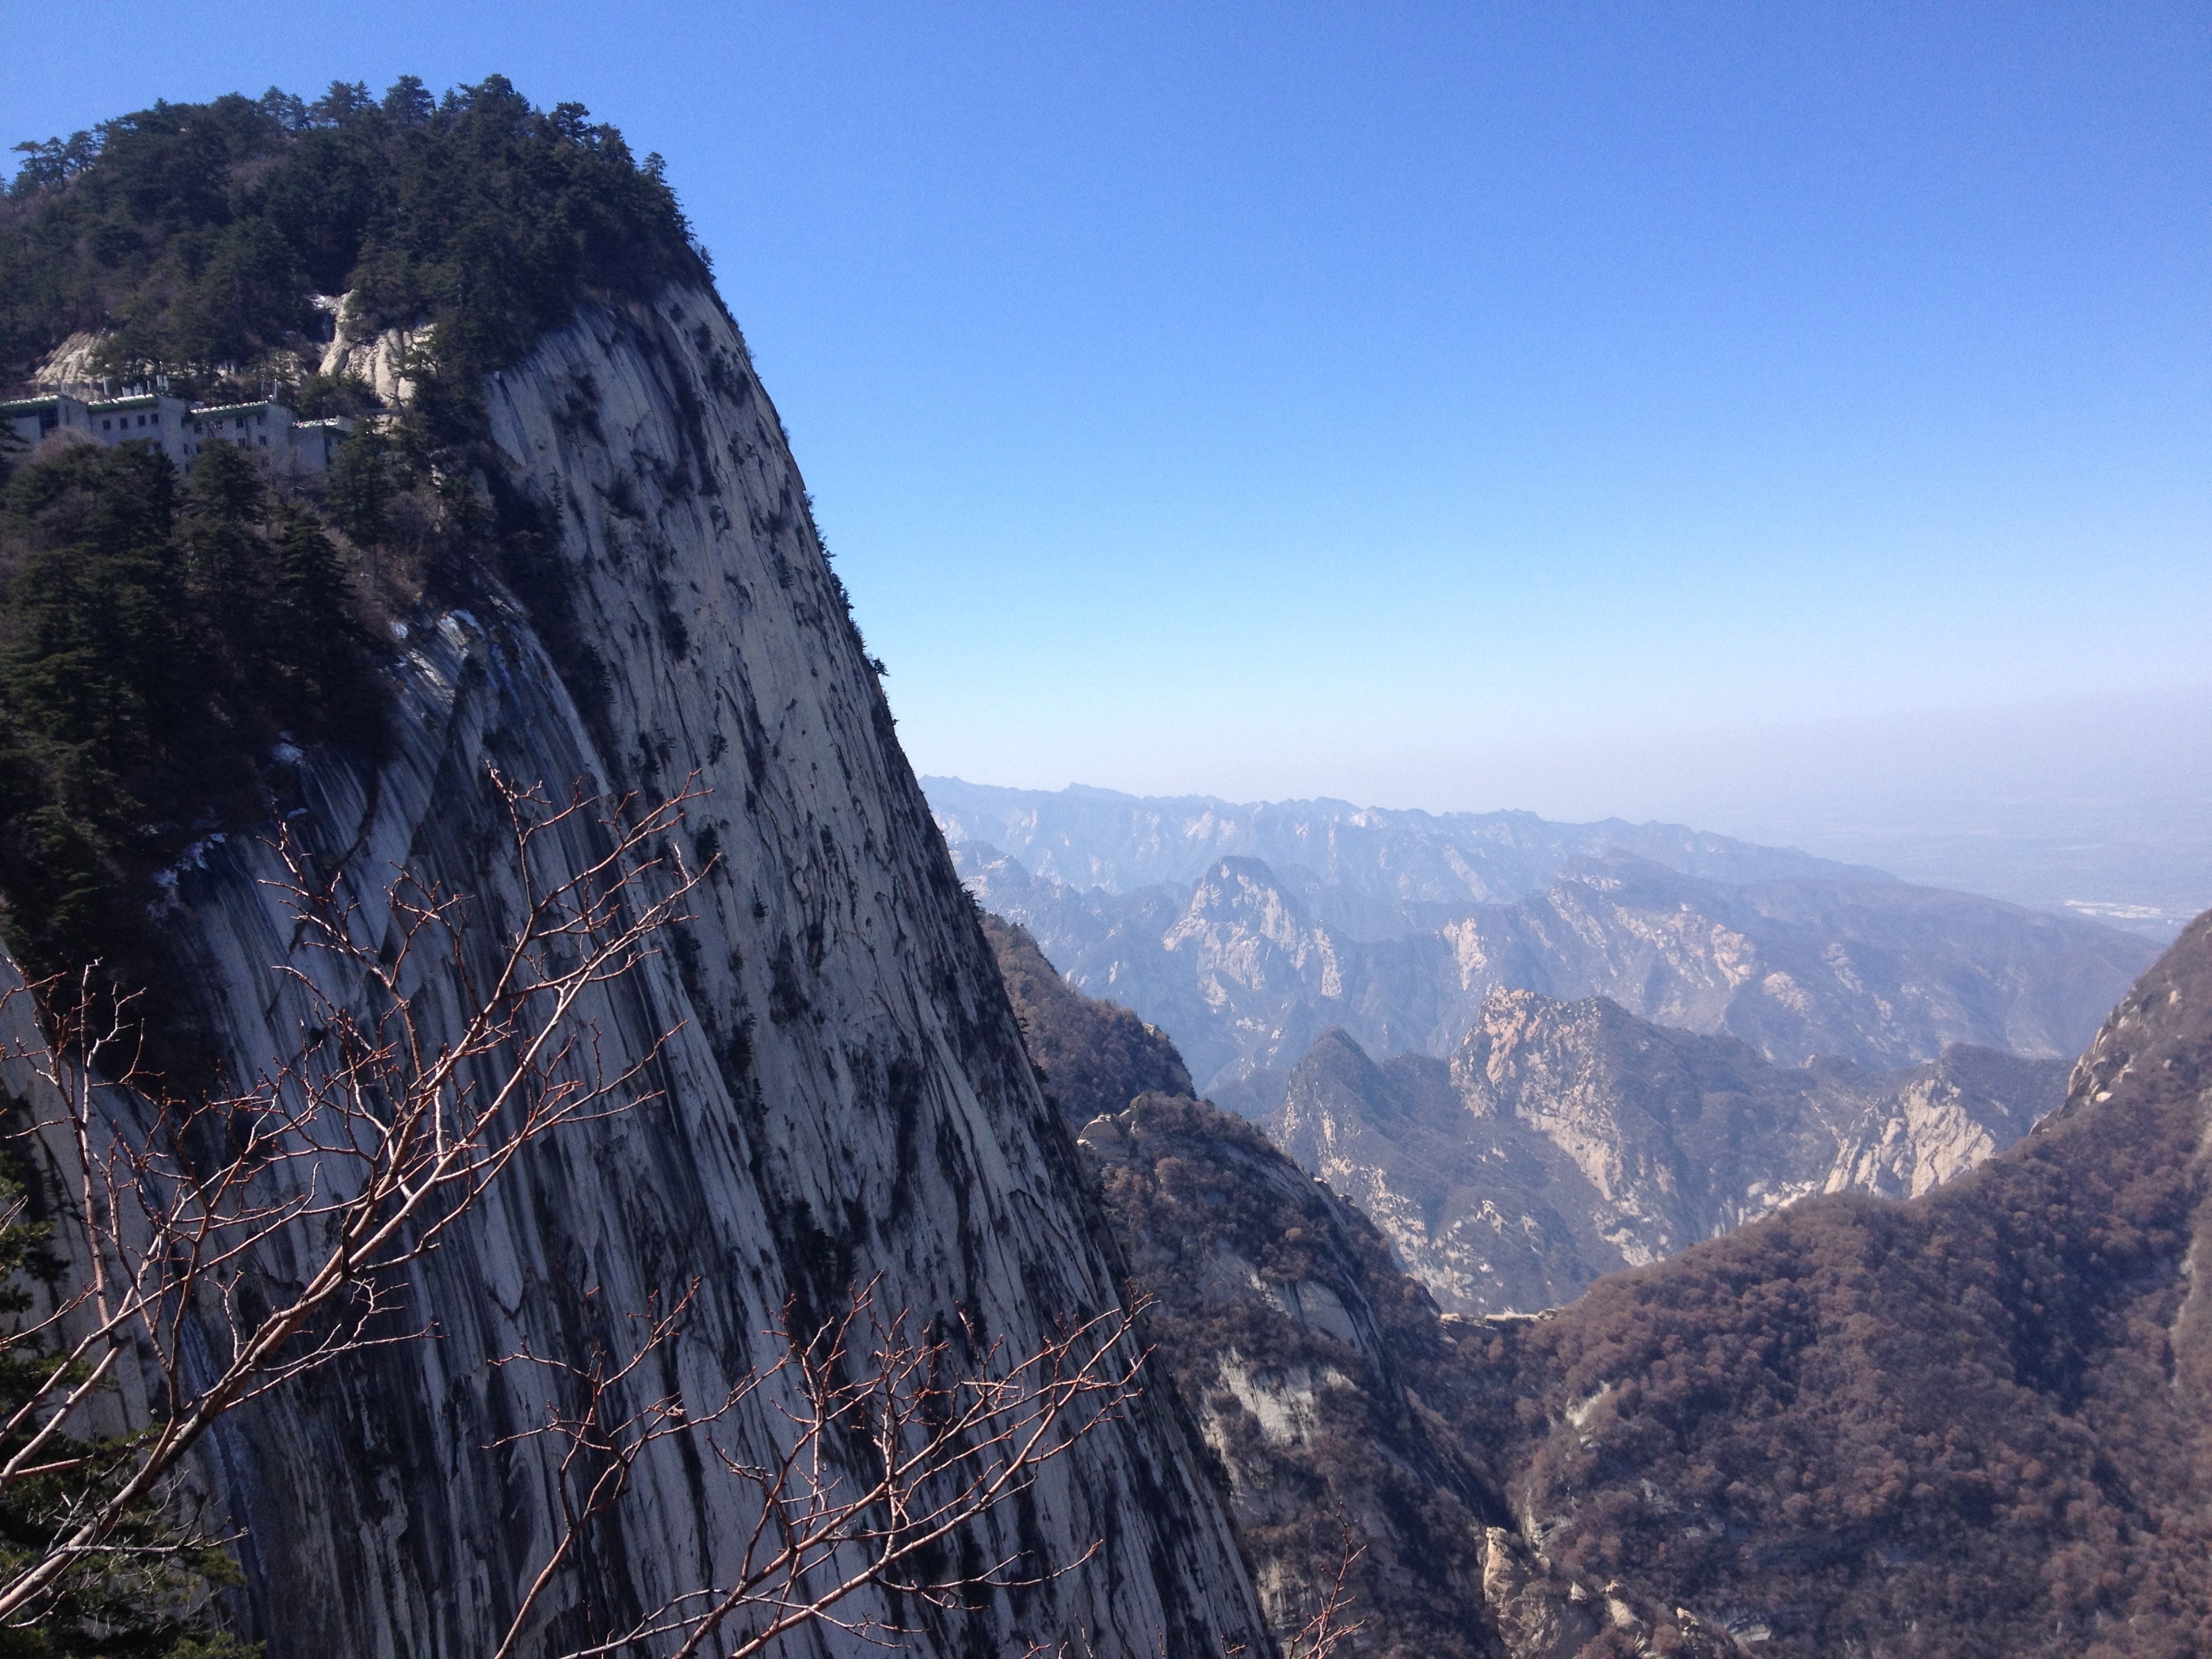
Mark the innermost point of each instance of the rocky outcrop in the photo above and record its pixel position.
(379, 360)
(1972, 1423)
(71, 363)
(1566, 1140)
(1245, 966)
(1275, 1311)
(844, 1094)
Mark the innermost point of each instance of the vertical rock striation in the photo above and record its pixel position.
(846, 1093)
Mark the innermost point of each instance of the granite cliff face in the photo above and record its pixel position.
(1566, 1140)
(1248, 963)
(846, 1093)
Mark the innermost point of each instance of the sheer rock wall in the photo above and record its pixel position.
(846, 1090)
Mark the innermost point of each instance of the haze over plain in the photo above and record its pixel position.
(1792, 423)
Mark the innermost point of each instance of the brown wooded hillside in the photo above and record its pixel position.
(1977, 1423)
(1096, 1056)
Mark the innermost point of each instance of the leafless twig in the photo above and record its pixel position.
(447, 1047)
(1330, 1627)
(892, 1443)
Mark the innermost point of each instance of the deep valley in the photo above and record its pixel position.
(525, 1129)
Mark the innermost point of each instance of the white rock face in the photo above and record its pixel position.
(847, 1095)
(378, 360)
(1568, 1140)
(1257, 929)
(68, 363)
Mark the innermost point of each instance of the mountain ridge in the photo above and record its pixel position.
(1245, 972)
(1965, 1426)
(1563, 1141)
(1123, 841)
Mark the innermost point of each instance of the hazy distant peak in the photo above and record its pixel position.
(1403, 858)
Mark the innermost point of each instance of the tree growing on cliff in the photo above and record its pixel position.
(157, 637)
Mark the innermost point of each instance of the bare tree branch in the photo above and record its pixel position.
(412, 1088)
(892, 1445)
(438, 1039)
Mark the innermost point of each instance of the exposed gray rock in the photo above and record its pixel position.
(377, 359)
(69, 363)
(846, 1092)
(1565, 1140)
(1245, 967)
(1279, 1317)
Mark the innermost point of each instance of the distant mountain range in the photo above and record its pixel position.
(1565, 1140)
(1372, 872)
(1245, 932)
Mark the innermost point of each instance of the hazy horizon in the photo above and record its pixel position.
(1791, 422)
(2038, 806)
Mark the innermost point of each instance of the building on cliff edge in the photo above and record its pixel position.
(285, 444)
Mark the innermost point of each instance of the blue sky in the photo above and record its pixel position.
(1571, 406)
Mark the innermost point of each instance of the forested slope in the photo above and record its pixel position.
(1974, 1422)
(1977, 1423)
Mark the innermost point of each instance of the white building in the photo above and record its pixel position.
(285, 444)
